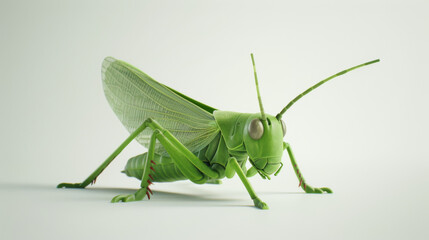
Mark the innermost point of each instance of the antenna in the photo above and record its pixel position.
(279, 116)
(264, 118)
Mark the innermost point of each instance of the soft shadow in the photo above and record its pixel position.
(282, 193)
(26, 186)
(161, 195)
(97, 193)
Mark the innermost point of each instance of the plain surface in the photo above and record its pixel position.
(364, 134)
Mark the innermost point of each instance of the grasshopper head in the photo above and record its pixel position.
(264, 142)
(263, 136)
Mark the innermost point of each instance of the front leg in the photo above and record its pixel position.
(302, 183)
(233, 165)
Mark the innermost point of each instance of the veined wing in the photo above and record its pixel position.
(134, 97)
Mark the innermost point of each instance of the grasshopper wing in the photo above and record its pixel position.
(134, 97)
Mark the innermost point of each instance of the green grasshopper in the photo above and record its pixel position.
(187, 139)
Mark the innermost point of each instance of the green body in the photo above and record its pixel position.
(214, 155)
(230, 142)
(188, 140)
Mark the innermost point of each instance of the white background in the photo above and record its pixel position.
(363, 134)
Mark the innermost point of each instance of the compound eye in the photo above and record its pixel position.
(256, 129)
(283, 127)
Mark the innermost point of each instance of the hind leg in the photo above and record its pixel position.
(93, 177)
(146, 177)
(184, 165)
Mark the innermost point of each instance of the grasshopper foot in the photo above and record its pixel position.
(309, 189)
(124, 198)
(259, 204)
(137, 196)
(70, 185)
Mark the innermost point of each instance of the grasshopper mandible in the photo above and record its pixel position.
(187, 139)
